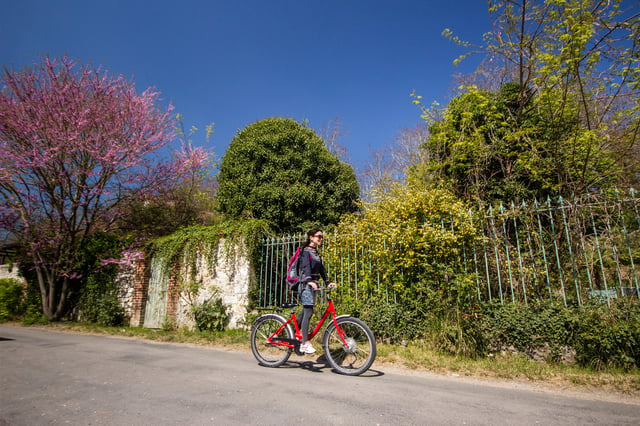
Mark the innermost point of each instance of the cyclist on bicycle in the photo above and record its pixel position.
(312, 271)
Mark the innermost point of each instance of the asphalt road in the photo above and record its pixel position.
(48, 377)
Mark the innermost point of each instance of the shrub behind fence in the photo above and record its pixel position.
(563, 250)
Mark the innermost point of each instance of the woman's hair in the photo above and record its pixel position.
(310, 234)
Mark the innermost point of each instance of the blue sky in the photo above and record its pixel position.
(236, 62)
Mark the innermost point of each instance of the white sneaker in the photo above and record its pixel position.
(307, 348)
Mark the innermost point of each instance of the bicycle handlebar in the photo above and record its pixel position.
(326, 288)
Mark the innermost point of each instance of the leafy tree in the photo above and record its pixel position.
(584, 46)
(490, 146)
(188, 202)
(565, 118)
(95, 297)
(278, 170)
(76, 143)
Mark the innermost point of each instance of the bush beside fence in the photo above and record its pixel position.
(569, 252)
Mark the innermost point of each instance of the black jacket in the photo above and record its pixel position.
(312, 267)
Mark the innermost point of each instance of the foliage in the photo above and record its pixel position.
(279, 171)
(34, 315)
(420, 319)
(97, 288)
(76, 142)
(110, 311)
(12, 297)
(414, 237)
(20, 302)
(392, 323)
(525, 328)
(593, 336)
(184, 245)
(568, 122)
(502, 146)
(609, 336)
(170, 323)
(600, 335)
(188, 202)
(210, 315)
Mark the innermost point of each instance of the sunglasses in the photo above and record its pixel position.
(318, 236)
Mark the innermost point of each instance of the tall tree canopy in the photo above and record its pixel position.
(280, 171)
(564, 117)
(484, 149)
(76, 142)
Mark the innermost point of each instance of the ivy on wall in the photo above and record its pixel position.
(184, 246)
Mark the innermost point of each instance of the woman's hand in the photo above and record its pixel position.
(313, 284)
(332, 285)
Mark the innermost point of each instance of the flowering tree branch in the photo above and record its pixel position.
(76, 142)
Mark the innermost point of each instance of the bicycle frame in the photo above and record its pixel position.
(295, 343)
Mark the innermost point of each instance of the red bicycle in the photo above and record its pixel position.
(348, 343)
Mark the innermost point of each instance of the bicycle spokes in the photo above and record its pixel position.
(350, 346)
(269, 337)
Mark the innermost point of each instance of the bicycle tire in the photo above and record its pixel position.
(268, 354)
(357, 357)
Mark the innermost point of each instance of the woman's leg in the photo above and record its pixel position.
(307, 312)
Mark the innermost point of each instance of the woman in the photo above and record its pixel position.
(312, 270)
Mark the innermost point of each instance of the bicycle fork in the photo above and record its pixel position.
(343, 337)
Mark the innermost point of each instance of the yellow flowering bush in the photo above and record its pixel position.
(407, 241)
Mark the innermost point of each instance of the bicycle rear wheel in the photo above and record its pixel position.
(356, 356)
(262, 334)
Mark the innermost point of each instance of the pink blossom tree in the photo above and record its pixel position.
(75, 143)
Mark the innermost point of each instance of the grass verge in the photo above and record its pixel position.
(509, 367)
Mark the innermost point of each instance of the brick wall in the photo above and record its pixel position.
(133, 281)
(10, 271)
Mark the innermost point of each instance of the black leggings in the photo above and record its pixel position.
(305, 318)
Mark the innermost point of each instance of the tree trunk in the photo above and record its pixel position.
(54, 296)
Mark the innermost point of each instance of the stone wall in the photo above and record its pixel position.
(10, 271)
(228, 279)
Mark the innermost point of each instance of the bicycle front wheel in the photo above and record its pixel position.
(354, 352)
(268, 352)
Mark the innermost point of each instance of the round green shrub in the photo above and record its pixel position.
(279, 170)
(211, 315)
(12, 296)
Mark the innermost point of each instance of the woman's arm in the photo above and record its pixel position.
(306, 266)
(323, 273)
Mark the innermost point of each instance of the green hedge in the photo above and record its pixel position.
(593, 335)
(599, 335)
(12, 298)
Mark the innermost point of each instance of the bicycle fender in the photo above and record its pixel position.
(338, 318)
(272, 315)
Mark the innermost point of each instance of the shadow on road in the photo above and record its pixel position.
(319, 365)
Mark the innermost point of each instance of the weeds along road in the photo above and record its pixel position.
(49, 377)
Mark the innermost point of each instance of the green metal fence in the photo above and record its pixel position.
(568, 251)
